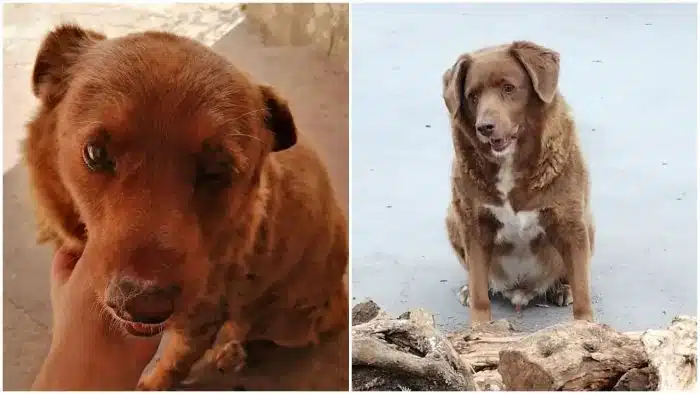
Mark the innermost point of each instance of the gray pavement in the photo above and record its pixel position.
(629, 71)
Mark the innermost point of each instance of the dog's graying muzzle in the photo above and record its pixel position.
(142, 303)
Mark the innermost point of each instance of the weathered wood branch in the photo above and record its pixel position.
(407, 353)
(410, 353)
(673, 353)
(576, 356)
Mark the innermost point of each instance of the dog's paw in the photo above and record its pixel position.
(230, 357)
(154, 382)
(560, 295)
(463, 295)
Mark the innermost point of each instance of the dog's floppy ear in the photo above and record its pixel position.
(453, 86)
(59, 51)
(542, 65)
(278, 119)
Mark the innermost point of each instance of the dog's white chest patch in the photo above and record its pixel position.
(518, 229)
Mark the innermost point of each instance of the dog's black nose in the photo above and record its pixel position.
(149, 305)
(486, 129)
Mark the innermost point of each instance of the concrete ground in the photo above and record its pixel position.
(629, 71)
(317, 88)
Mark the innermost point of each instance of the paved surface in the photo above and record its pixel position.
(630, 74)
(316, 87)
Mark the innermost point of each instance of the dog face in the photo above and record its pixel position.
(490, 93)
(161, 144)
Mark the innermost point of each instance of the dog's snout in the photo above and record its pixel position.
(147, 305)
(485, 128)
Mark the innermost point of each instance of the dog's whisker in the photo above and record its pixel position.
(255, 111)
(245, 135)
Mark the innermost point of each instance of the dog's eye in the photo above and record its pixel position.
(216, 177)
(473, 98)
(96, 157)
(215, 169)
(508, 88)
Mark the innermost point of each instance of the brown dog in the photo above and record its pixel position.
(182, 184)
(519, 220)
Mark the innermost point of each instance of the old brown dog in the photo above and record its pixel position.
(183, 185)
(519, 220)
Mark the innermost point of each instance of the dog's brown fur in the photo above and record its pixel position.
(259, 256)
(549, 173)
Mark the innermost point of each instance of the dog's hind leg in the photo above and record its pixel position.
(560, 294)
(463, 295)
(455, 238)
(454, 235)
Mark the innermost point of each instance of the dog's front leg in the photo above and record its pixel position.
(187, 343)
(574, 246)
(230, 354)
(479, 302)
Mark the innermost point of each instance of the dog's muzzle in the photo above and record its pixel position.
(142, 306)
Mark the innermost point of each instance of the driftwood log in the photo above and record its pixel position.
(673, 353)
(393, 355)
(407, 353)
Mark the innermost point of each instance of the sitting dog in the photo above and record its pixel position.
(519, 220)
(186, 189)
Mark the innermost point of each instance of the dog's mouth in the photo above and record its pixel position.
(144, 330)
(137, 328)
(501, 145)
